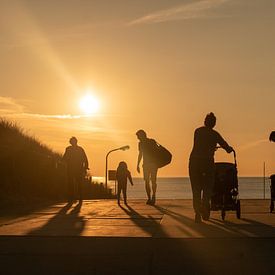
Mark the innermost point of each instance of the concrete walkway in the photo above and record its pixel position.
(167, 219)
(99, 237)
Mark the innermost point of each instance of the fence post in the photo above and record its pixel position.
(264, 179)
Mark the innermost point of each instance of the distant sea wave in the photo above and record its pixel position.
(180, 188)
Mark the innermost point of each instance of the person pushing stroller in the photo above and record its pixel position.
(202, 167)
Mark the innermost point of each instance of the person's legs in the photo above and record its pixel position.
(153, 174)
(119, 188)
(146, 176)
(196, 190)
(148, 190)
(195, 178)
(124, 190)
(79, 185)
(70, 186)
(207, 188)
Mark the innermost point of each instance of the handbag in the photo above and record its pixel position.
(162, 156)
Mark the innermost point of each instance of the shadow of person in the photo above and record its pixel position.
(156, 229)
(191, 229)
(64, 223)
(187, 229)
(205, 248)
(149, 224)
(186, 221)
(160, 248)
(248, 227)
(218, 228)
(181, 242)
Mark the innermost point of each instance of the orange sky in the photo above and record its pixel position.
(160, 65)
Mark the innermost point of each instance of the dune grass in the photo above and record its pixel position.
(32, 172)
(29, 170)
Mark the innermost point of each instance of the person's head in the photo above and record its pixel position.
(122, 166)
(210, 120)
(73, 141)
(141, 135)
(272, 136)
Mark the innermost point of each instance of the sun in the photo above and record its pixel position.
(89, 104)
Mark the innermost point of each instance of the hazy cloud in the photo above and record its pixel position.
(196, 9)
(68, 116)
(253, 144)
(9, 107)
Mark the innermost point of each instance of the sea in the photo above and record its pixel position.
(180, 188)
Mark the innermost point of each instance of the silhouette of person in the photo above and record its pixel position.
(201, 165)
(122, 175)
(272, 136)
(77, 164)
(147, 147)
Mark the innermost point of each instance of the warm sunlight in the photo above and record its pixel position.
(89, 104)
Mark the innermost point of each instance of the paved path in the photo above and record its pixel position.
(168, 219)
(99, 237)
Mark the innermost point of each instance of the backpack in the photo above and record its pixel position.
(162, 156)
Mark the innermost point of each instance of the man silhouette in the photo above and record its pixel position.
(77, 164)
(201, 166)
(147, 147)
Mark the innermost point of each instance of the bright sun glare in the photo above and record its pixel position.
(89, 104)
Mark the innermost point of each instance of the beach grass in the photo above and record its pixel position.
(30, 171)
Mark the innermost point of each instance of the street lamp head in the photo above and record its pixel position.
(123, 148)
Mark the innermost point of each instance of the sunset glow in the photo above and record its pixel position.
(105, 71)
(89, 104)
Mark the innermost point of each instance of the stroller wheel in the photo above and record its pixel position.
(271, 206)
(223, 214)
(238, 209)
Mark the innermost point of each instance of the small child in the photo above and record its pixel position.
(122, 174)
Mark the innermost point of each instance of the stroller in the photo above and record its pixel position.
(225, 191)
(272, 192)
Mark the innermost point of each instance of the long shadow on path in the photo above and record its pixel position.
(158, 253)
(64, 223)
(150, 225)
(218, 228)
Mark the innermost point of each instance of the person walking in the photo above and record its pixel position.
(122, 175)
(77, 164)
(201, 165)
(147, 148)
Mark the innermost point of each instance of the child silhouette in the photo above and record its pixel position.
(122, 174)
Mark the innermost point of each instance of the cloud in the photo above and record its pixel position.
(253, 144)
(53, 126)
(197, 9)
(66, 116)
(42, 116)
(9, 107)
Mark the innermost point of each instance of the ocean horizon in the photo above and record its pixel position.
(180, 188)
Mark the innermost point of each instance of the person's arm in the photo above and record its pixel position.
(139, 157)
(65, 156)
(85, 160)
(130, 178)
(224, 144)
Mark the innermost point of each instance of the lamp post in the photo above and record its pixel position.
(123, 148)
